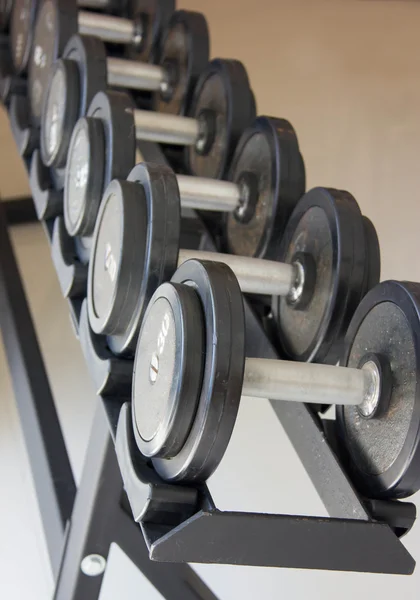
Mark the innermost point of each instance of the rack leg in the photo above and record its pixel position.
(100, 519)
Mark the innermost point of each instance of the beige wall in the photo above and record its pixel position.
(347, 75)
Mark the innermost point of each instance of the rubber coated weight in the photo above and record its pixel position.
(59, 114)
(153, 17)
(185, 54)
(224, 103)
(56, 22)
(95, 159)
(21, 32)
(135, 239)
(383, 453)
(174, 327)
(373, 257)
(269, 168)
(74, 81)
(220, 390)
(84, 177)
(327, 228)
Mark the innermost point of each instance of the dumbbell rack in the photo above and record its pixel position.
(360, 535)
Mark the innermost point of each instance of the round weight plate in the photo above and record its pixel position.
(115, 110)
(268, 152)
(168, 370)
(89, 55)
(185, 55)
(56, 22)
(221, 387)
(373, 257)
(383, 453)
(113, 153)
(116, 267)
(21, 30)
(224, 100)
(326, 225)
(74, 81)
(153, 17)
(60, 113)
(84, 177)
(159, 186)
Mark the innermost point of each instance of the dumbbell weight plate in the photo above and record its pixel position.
(152, 237)
(80, 183)
(21, 32)
(154, 16)
(60, 17)
(221, 386)
(185, 52)
(112, 153)
(117, 250)
(223, 92)
(383, 453)
(74, 81)
(373, 256)
(170, 372)
(326, 225)
(268, 157)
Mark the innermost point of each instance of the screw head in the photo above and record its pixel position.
(93, 565)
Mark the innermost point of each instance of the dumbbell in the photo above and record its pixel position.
(85, 70)
(267, 178)
(330, 253)
(190, 372)
(107, 135)
(57, 20)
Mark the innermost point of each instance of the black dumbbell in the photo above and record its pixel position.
(85, 70)
(222, 91)
(57, 20)
(329, 263)
(190, 372)
(266, 179)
